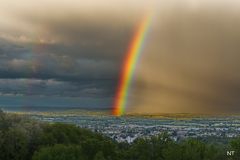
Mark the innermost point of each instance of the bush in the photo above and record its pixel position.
(60, 152)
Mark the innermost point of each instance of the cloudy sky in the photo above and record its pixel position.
(69, 53)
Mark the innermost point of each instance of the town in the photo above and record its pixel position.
(128, 129)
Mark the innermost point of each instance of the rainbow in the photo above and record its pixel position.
(129, 64)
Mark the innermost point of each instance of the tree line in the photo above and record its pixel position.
(22, 138)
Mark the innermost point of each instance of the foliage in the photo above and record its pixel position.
(24, 139)
(99, 156)
(60, 152)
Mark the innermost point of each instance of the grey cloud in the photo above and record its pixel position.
(189, 62)
(50, 87)
(78, 54)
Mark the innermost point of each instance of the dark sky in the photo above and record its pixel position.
(69, 53)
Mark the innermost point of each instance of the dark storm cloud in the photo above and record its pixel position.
(76, 48)
(22, 62)
(88, 39)
(21, 70)
(70, 47)
(190, 61)
(50, 87)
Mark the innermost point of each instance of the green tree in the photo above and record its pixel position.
(4, 123)
(235, 146)
(123, 150)
(13, 145)
(173, 151)
(160, 142)
(149, 148)
(99, 156)
(60, 152)
(141, 149)
(92, 146)
(192, 149)
(59, 133)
